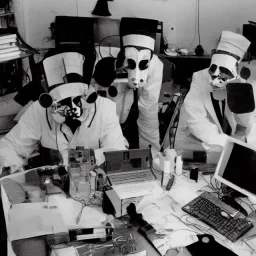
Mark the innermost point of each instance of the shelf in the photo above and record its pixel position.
(21, 56)
(6, 14)
(206, 56)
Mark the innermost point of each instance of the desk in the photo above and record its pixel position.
(185, 66)
(70, 209)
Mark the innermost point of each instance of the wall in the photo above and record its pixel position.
(34, 17)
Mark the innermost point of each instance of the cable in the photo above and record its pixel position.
(194, 37)
(198, 23)
(103, 40)
(56, 137)
(25, 44)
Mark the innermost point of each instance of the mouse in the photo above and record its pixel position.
(231, 202)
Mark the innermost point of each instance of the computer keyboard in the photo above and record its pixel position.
(131, 177)
(134, 187)
(219, 216)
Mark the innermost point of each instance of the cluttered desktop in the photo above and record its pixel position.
(173, 211)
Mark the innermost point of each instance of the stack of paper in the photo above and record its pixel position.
(8, 47)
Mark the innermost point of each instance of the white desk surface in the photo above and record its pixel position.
(183, 191)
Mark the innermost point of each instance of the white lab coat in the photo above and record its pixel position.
(199, 128)
(104, 134)
(148, 122)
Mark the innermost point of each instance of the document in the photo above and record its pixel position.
(34, 219)
(142, 253)
(68, 251)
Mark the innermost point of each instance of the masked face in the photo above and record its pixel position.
(223, 70)
(68, 108)
(136, 63)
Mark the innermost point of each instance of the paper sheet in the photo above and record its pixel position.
(34, 219)
(68, 251)
(69, 208)
(184, 190)
(142, 253)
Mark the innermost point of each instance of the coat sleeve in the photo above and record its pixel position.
(148, 122)
(23, 139)
(196, 116)
(111, 137)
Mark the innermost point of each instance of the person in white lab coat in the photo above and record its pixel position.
(205, 118)
(137, 100)
(70, 115)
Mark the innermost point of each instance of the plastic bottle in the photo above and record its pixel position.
(179, 165)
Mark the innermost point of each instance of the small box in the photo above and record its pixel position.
(113, 204)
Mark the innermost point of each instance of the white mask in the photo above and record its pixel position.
(73, 106)
(69, 107)
(223, 69)
(136, 63)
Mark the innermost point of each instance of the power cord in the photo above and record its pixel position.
(199, 49)
(194, 36)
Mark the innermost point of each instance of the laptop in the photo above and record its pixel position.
(129, 166)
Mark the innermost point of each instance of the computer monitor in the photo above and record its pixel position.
(237, 167)
(109, 29)
(249, 31)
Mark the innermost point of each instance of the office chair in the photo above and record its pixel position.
(169, 119)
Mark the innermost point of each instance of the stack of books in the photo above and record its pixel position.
(8, 47)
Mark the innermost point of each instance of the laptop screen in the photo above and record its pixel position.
(127, 160)
(241, 168)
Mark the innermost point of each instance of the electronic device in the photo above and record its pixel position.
(80, 155)
(92, 235)
(249, 31)
(236, 167)
(194, 174)
(128, 166)
(219, 216)
(72, 33)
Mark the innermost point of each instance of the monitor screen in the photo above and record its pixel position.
(249, 31)
(237, 167)
(241, 168)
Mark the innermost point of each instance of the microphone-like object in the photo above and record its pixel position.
(240, 98)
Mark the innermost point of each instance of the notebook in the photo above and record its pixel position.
(129, 166)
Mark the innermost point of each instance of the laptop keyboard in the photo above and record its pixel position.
(133, 177)
(134, 187)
